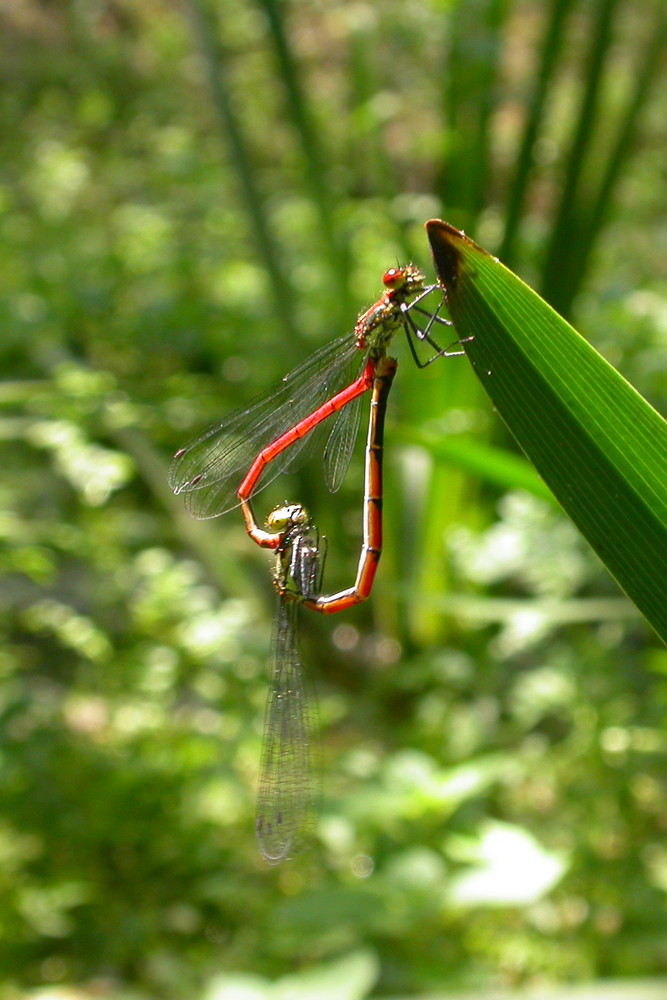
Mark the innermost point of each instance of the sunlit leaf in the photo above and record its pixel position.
(599, 446)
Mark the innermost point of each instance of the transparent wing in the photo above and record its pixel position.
(210, 468)
(340, 445)
(287, 793)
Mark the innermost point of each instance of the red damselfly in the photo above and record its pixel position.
(288, 783)
(223, 466)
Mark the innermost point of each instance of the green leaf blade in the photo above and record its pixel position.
(599, 446)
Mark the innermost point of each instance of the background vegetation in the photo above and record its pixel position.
(194, 197)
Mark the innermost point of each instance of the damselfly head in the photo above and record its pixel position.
(403, 279)
(286, 516)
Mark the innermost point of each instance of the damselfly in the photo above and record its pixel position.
(288, 784)
(223, 466)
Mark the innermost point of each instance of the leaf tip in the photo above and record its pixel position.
(447, 244)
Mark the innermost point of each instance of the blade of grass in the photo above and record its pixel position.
(649, 62)
(560, 278)
(554, 614)
(447, 499)
(548, 63)
(469, 96)
(304, 122)
(492, 465)
(598, 445)
(368, 159)
(243, 165)
(443, 495)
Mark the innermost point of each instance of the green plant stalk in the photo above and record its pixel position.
(446, 501)
(598, 445)
(446, 494)
(369, 161)
(561, 276)
(488, 462)
(469, 96)
(304, 122)
(553, 41)
(243, 165)
(649, 64)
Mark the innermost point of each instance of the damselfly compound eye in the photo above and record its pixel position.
(286, 516)
(394, 277)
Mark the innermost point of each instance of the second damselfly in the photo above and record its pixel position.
(288, 785)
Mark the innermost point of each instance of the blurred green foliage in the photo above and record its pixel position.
(194, 197)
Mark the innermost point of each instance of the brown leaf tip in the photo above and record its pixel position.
(446, 242)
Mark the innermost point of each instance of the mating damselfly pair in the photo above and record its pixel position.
(233, 460)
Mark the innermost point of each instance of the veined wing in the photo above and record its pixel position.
(340, 445)
(287, 793)
(209, 469)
